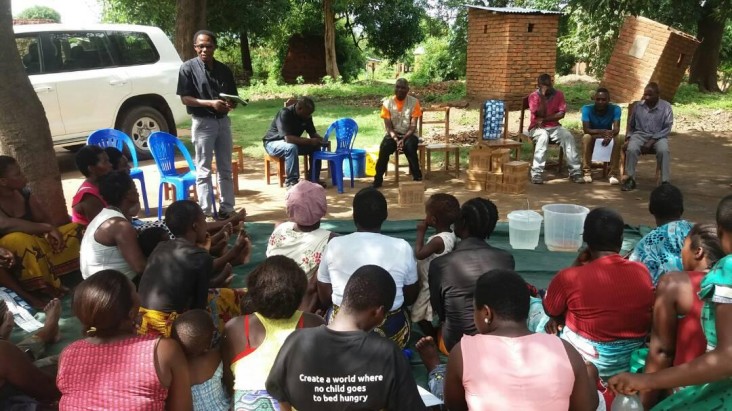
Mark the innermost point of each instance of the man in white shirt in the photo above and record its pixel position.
(367, 245)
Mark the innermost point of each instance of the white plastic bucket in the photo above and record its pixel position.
(563, 225)
(523, 229)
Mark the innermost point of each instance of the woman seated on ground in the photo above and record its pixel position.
(251, 342)
(505, 366)
(110, 241)
(603, 303)
(452, 276)
(301, 238)
(93, 162)
(43, 249)
(118, 159)
(660, 250)
(181, 274)
(22, 382)
(677, 336)
(707, 378)
(148, 372)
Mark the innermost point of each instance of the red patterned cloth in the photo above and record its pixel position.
(115, 376)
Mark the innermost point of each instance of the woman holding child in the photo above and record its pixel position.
(44, 251)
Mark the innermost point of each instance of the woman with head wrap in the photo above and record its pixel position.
(301, 238)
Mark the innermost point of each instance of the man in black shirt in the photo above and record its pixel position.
(283, 139)
(343, 365)
(200, 82)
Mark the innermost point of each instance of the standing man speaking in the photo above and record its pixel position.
(201, 80)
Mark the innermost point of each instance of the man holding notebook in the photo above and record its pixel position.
(201, 81)
(601, 122)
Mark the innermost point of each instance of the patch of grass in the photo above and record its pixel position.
(333, 90)
(577, 94)
(689, 96)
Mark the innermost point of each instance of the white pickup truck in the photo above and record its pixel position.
(104, 75)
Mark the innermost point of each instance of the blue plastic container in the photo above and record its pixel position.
(358, 156)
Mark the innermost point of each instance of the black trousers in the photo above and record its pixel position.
(388, 147)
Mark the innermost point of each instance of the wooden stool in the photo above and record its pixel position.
(395, 160)
(280, 171)
(239, 156)
(234, 174)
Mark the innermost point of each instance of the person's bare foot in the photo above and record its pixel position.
(428, 351)
(50, 332)
(6, 321)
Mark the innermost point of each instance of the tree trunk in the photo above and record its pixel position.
(704, 65)
(24, 131)
(246, 56)
(331, 64)
(190, 16)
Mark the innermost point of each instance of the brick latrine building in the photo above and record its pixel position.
(507, 49)
(647, 51)
(306, 58)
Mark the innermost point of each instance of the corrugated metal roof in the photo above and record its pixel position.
(514, 10)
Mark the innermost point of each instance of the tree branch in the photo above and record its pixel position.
(349, 26)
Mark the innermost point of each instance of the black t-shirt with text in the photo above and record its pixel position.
(322, 369)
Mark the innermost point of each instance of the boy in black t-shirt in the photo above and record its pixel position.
(343, 366)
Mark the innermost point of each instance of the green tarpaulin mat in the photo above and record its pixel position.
(536, 266)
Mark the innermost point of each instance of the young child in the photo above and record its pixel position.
(194, 331)
(441, 210)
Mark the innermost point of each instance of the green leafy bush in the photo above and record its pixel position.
(436, 64)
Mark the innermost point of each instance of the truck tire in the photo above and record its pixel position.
(138, 123)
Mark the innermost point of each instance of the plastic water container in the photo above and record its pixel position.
(358, 156)
(563, 226)
(523, 229)
(627, 403)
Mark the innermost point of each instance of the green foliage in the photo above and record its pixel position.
(159, 13)
(436, 64)
(351, 60)
(40, 12)
(392, 27)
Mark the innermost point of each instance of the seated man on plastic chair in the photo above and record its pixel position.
(400, 114)
(547, 106)
(283, 138)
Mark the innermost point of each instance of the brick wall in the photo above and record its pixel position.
(647, 51)
(504, 58)
(306, 58)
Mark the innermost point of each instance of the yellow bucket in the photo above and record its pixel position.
(371, 158)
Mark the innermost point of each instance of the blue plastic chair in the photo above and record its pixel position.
(345, 130)
(163, 146)
(109, 137)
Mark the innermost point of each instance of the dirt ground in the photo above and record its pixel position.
(699, 169)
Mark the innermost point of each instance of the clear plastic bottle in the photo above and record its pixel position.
(627, 403)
